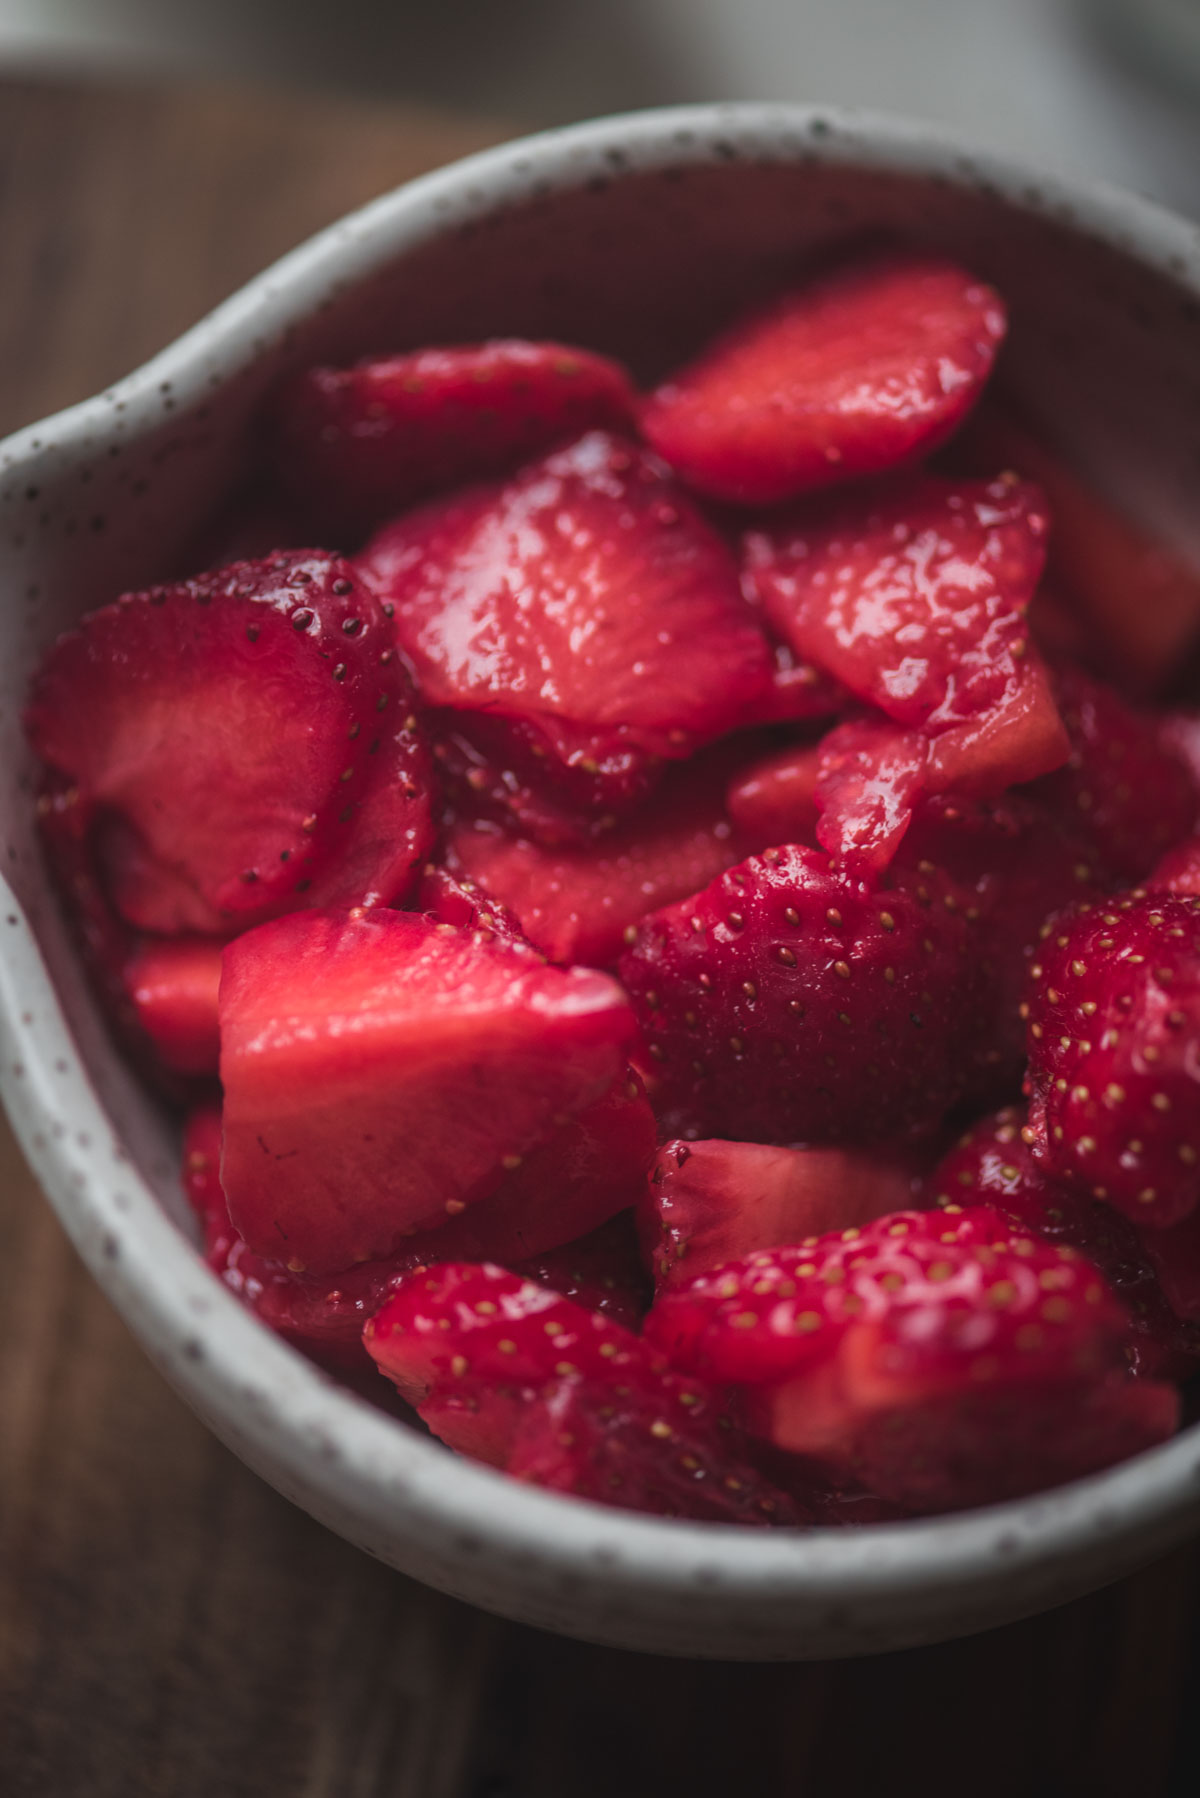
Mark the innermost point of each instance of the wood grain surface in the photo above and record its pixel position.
(169, 1627)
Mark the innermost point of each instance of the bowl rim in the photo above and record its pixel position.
(323, 1433)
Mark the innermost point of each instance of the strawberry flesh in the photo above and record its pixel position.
(711, 1202)
(356, 445)
(587, 594)
(870, 775)
(602, 1270)
(581, 903)
(774, 800)
(1113, 1016)
(382, 1072)
(236, 728)
(774, 999)
(865, 367)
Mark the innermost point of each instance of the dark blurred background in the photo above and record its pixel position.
(1110, 87)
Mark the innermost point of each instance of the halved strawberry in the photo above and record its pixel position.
(774, 999)
(913, 595)
(513, 1373)
(940, 1358)
(1137, 600)
(580, 904)
(586, 595)
(356, 445)
(711, 1202)
(1124, 788)
(247, 734)
(382, 1072)
(866, 366)
(993, 1164)
(1114, 1020)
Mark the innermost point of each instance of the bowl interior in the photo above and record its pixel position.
(638, 249)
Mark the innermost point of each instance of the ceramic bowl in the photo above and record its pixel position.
(636, 236)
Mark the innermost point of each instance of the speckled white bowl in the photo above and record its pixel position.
(634, 235)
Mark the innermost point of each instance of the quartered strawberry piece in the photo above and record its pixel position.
(581, 903)
(587, 593)
(383, 1072)
(1125, 788)
(1137, 602)
(453, 899)
(602, 1271)
(711, 1202)
(774, 800)
(993, 1164)
(585, 1170)
(1113, 1018)
(357, 445)
(324, 1314)
(246, 733)
(513, 1373)
(775, 999)
(868, 366)
(938, 1358)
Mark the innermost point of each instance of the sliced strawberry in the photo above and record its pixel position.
(659, 1445)
(870, 365)
(463, 1318)
(580, 904)
(1114, 1024)
(324, 1314)
(1137, 601)
(798, 692)
(587, 593)
(870, 775)
(778, 996)
(1179, 870)
(321, 1316)
(913, 595)
(558, 785)
(993, 1164)
(160, 997)
(939, 1358)
(774, 800)
(602, 1271)
(238, 727)
(1124, 788)
(381, 1072)
(356, 445)
(173, 984)
(586, 1170)
(497, 1365)
(711, 1202)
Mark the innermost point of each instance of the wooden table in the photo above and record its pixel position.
(168, 1625)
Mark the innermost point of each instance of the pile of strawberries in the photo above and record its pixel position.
(694, 915)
